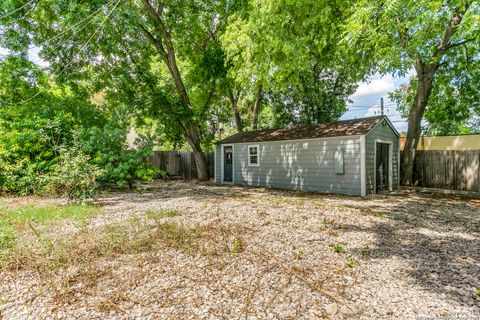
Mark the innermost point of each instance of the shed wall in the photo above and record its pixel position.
(384, 133)
(300, 165)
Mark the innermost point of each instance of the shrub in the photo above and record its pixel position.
(73, 176)
(107, 147)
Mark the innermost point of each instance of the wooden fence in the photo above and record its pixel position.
(451, 170)
(178, 164)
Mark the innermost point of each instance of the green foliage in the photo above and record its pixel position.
(7, 236)
(28, 144)
(237, 245)
(403, 37)
(57, 144)
(298, 255)
(107, 147)
(73, 175)
(18, 216)
(351, 263)
(338, 247)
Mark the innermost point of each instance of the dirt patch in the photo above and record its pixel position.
(187, 250)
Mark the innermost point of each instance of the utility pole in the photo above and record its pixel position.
(381, 107)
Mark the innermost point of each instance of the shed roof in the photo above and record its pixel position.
(342, 128)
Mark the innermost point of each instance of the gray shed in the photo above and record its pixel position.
(353, 157)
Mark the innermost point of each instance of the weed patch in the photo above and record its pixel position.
(152, 214)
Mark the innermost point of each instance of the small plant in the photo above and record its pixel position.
(298, 255)
(237, 245)
(351, 263)
(377, 214)
(478, 292)
(6, 237)
(338, 247)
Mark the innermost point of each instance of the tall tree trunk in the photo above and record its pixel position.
(166, 51)
(236, 113)
(256, 107)
(425, 77)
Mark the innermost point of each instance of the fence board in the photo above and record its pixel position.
(179, 164)
(449, 169)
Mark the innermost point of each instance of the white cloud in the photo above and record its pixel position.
(378, 86)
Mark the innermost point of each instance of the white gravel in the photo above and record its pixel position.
(404, 255)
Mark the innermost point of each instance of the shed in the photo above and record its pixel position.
(352, 157)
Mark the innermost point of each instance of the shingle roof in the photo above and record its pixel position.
(324, 130)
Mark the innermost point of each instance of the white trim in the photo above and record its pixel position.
(233, 164)
(363, 168)
(222, 180)
(390, 164)
(258, 155)
(399, 164)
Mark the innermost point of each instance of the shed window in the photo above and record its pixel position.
(253, 155)
(339, 163)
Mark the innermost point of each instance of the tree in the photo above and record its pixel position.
(425, 36)
(455, 100)
(319, 96)
(287, 57)
(102, 46)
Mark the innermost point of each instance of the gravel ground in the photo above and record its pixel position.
(272, 254)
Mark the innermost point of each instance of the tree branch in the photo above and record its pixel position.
(210, 96)
(452, 26)
(461, 43)
(155, 42)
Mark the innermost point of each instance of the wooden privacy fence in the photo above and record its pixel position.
(178, 164)
(452, 170)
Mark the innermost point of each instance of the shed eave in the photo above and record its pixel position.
(290, 140)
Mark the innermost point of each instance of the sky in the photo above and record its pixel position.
(366, 100)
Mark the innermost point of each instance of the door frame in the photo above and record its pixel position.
(222, 150)
(390, 164)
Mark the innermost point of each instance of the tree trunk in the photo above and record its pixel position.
(236, 113)
(256, 108)
(166, 50)
(201, 163)
(425, 76)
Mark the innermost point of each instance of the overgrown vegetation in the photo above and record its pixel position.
(63, 143)
(18, 220)
(27, 242)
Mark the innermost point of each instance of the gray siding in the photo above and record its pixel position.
(218, 163)
(301, 165)
(382, 133)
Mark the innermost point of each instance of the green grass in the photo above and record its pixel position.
(14, 220)
(49, 213)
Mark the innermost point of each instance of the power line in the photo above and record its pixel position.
(18, 9)
(82, 48)
(92, 15)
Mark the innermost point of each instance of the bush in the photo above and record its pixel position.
(108, 149)
(73, 176)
